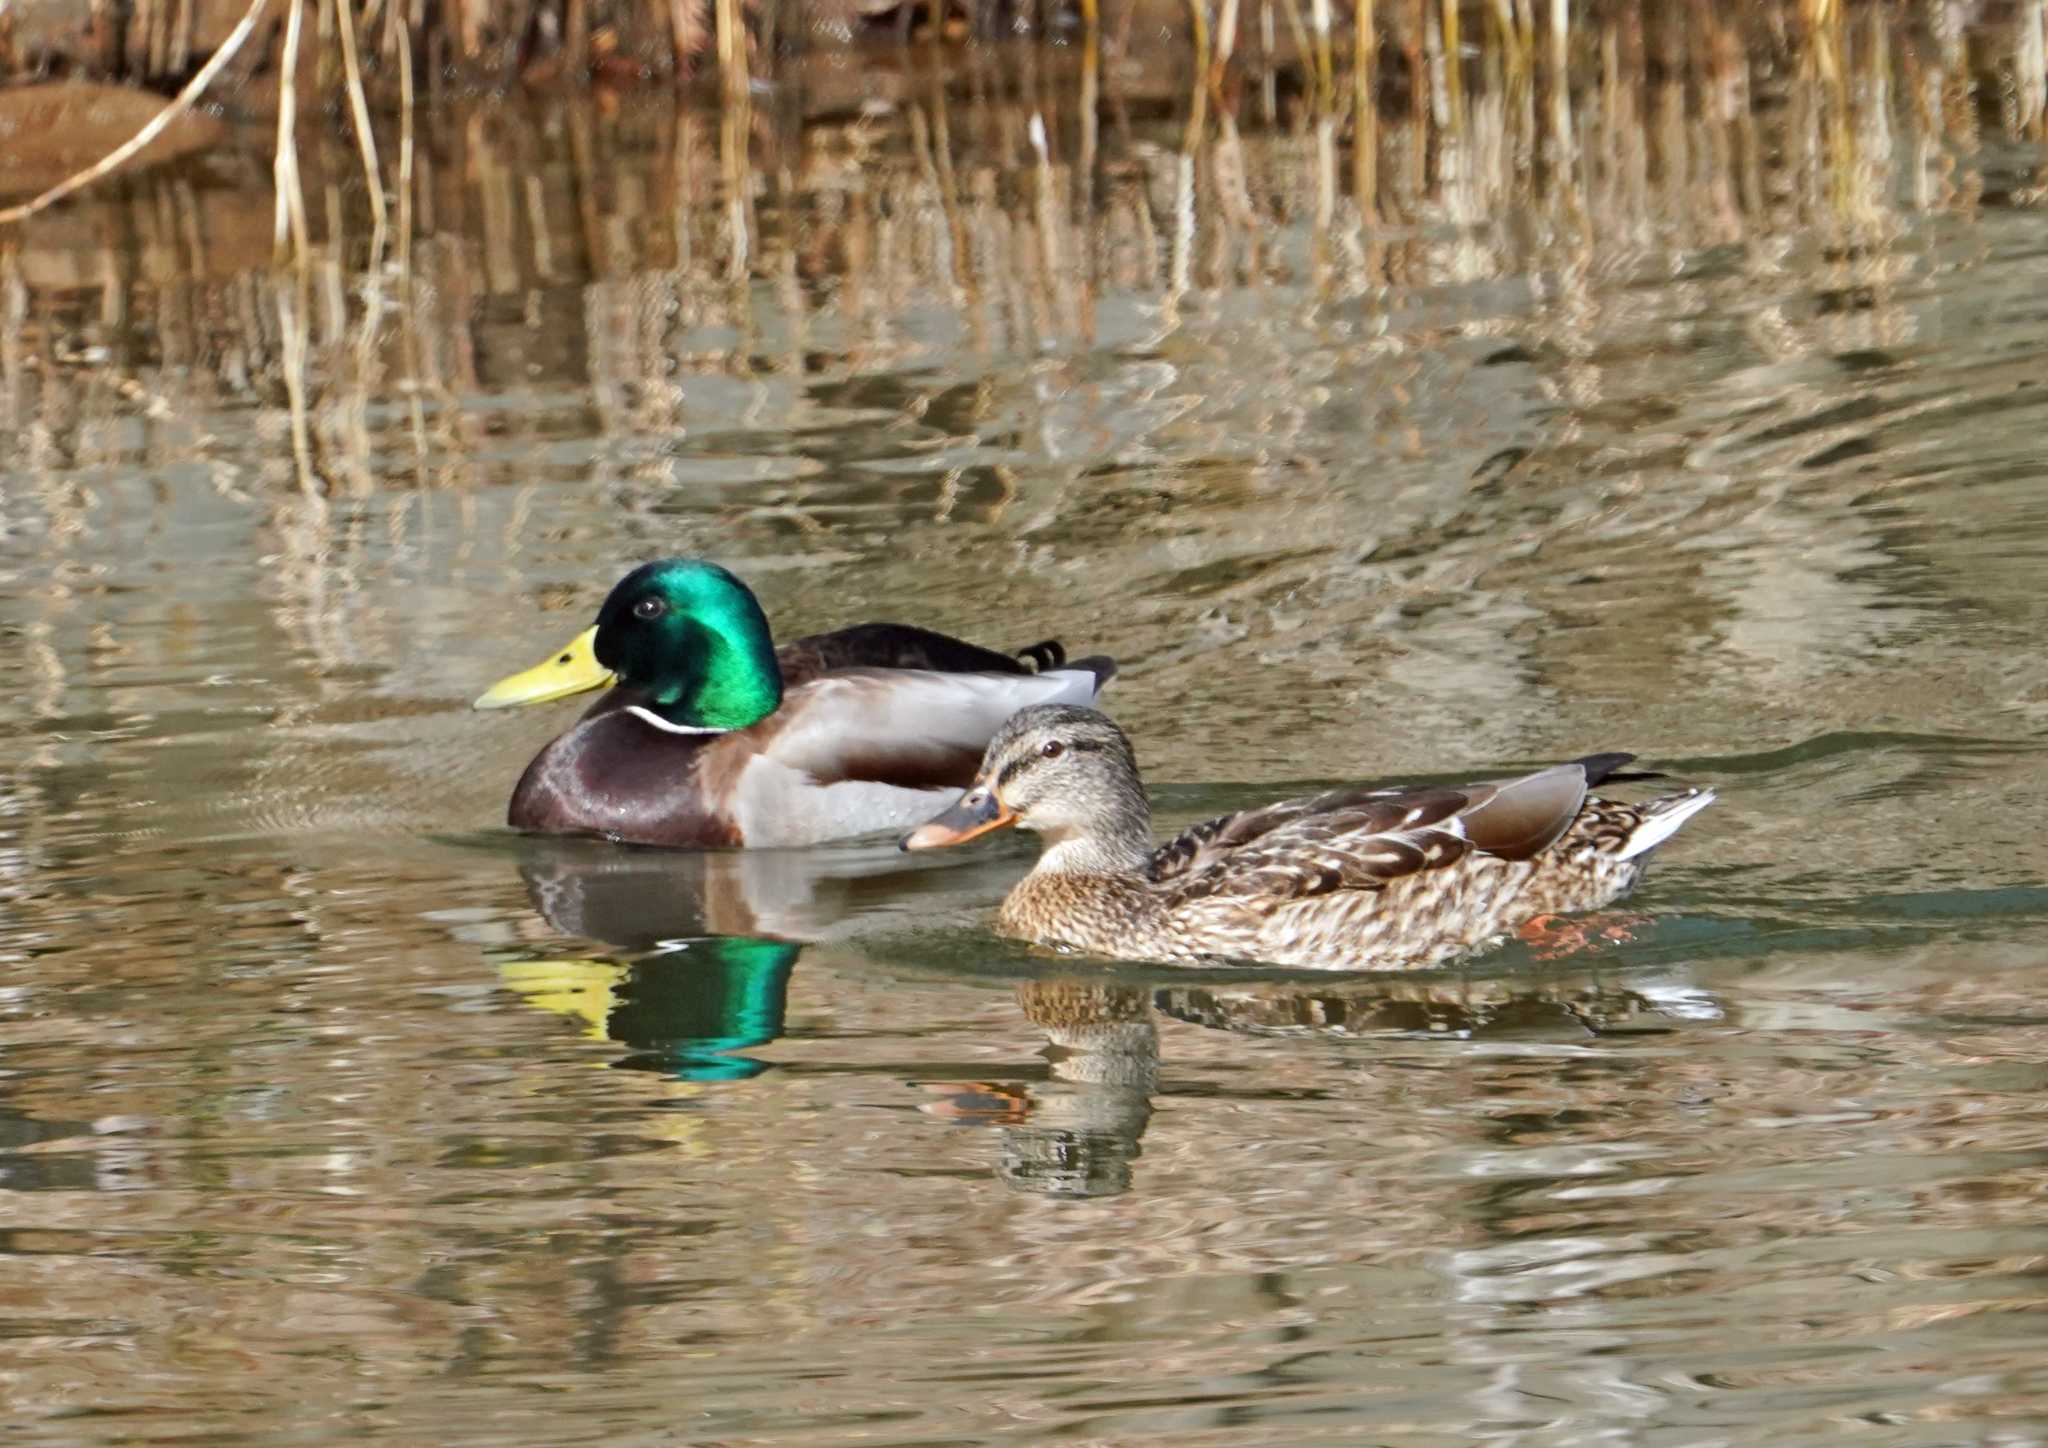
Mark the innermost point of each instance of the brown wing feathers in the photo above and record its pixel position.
(1525, 816)
(1361, 839)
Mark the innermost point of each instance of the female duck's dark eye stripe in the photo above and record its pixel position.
(1026, 761)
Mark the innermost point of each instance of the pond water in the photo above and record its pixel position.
(1695, 408)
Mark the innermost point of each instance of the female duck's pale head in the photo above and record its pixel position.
(685, 636)
(1063, 772)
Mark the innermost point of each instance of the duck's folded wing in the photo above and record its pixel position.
(905, 646)
(1366, 838)
(909, 727)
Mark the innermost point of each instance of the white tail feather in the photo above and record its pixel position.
(1660, 826)
(1077, 686)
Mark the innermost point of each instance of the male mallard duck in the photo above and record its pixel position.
(1360, 879)
(711, 736)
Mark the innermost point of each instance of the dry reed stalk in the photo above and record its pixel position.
(1198, 28)
(735, 125)
(1365, 136)
(1326, 204)
(395, 14)
(576, 36)
(290, 216)
(1226, 40)
(1298, 28)
(181, 35)
(732, 51)
(415, 408)
(972, 300)
(1503, 13)
(293, 326)
(155, 17)
(1181, 255)
(359, 110)
(405, 124)
(178, 105)
(735, 128)
(1269, 82)
(1091, 71)
(324, 25)
(1560, 82)
(1061, 302)
(683, 187)
(366, 379)
(1319, 21)
(1453, 80)
(945, 256)
(2030, 60)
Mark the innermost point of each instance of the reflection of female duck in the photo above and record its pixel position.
(1469, 1010)
(1076, 1135)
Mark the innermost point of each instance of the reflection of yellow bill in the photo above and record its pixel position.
(580, 989)
(586, 991)
(573, 669)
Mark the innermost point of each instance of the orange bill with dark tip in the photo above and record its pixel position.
(975, 813)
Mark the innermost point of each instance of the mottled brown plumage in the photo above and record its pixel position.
(1360, 879)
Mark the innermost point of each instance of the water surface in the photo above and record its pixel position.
(1695, 410)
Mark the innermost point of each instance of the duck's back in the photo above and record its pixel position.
(905, 646)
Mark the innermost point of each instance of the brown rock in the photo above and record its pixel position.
(49, 132)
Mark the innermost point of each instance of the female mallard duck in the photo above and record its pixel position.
(1358, 879)
(711, 736)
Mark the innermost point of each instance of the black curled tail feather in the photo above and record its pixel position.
(1100, 665)
(1043, 655)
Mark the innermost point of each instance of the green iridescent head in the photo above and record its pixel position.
(693, 640)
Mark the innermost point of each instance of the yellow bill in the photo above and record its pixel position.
(572, 670)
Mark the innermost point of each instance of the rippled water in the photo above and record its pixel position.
(329, 1109)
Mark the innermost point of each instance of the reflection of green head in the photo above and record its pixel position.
(691, 638)
(685, 1008)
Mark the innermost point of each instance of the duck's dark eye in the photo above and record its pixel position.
(649, 607)
(1052, 749)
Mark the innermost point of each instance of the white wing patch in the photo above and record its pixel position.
(815, 778)
(874, 713)
(776, 805)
